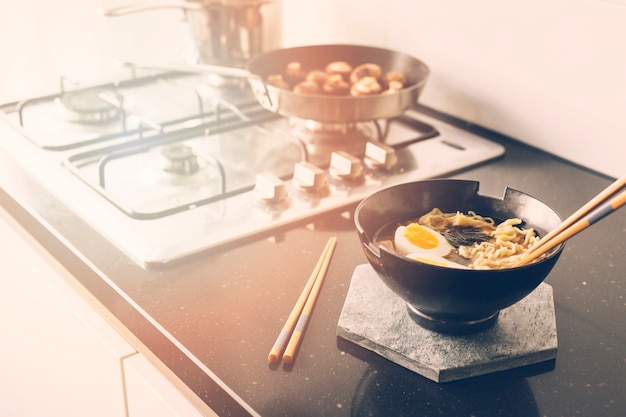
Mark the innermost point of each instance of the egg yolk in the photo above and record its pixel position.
(420, 236)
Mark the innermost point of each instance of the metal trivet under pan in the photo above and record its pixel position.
(375, 318)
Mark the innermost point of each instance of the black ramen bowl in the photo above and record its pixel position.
(443, 299)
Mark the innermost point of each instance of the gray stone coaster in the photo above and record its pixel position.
(375, 318)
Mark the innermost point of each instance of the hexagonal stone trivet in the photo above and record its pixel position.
(376, 319)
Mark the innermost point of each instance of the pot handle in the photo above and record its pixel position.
(142, 7)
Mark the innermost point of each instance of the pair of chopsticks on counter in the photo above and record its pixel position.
(603, 204)
(293, 330)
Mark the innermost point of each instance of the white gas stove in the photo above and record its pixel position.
(167, 166)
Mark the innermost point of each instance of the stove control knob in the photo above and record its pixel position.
(308, 177)
(380, 156)
(269, 188)
(345, 166)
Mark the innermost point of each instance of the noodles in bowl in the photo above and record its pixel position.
(478, 242)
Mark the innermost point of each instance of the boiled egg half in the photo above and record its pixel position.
(415, 238)
(429, 258)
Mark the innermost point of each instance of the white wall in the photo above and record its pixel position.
(42, 40)
(548, 72)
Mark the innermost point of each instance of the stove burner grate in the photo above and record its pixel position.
(321, 139)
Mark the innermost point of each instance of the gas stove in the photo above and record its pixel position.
(169, 165)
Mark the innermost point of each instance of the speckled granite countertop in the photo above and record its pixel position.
(211, 320)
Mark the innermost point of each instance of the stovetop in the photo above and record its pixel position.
(179, 167)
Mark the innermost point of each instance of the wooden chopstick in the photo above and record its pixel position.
(595, 210)
(593, 203)
(302, 309)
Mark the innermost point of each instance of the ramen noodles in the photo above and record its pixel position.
(471, 240)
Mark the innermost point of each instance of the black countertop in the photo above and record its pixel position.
(211, 320)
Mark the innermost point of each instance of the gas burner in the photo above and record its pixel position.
(179, 159)
(92, 106)
(322, 139)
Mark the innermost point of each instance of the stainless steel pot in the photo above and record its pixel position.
(318, 107)
(225, 32)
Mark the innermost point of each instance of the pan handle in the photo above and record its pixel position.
(193, 69)
(142, 7)
(259, 87)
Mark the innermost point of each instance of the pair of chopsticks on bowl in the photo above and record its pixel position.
(603, 204)
(293, 330)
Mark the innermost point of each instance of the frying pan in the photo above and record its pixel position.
(325, 108)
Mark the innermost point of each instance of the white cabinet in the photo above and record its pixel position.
(58, 356)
